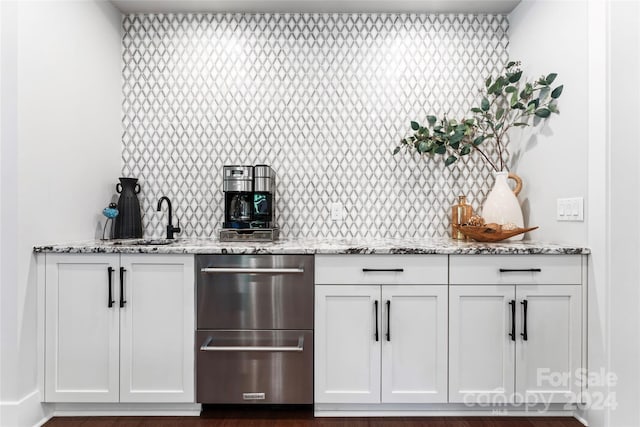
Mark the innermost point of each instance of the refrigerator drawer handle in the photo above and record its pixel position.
(252, 270)
(207, 347)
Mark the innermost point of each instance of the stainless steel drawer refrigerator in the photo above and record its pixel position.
(254, 338)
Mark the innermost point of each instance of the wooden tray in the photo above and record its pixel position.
(485, 234)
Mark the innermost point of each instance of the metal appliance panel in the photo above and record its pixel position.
(255, 291)
(271, 367)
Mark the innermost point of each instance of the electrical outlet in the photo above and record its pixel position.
(336, 211)
(570, 209)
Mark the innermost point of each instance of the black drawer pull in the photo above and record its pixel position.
(122, 300)
(110, 301)
(520, 270)
(512, 303)
(524, 334)
(388, 320)
(378, 270)
(376, 306)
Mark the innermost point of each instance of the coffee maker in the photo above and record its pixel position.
(249, 204)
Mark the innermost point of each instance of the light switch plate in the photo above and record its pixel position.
(570, 209)
(336, 211)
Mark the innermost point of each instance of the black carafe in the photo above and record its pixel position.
(128, 222)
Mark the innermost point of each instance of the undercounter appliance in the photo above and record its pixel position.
(254, 338)
(249, 203)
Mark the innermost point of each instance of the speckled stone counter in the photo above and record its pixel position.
(317, 246)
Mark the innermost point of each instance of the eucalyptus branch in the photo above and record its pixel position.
(506, 102)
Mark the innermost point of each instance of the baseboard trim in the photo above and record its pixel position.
(580, 418)
(440, 410)
(126, 409)
(26, 412)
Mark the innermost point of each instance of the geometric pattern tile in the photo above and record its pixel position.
(322, 97)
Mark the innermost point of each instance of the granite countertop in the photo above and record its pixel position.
(317, 246)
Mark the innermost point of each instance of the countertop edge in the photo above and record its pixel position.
(323, 247)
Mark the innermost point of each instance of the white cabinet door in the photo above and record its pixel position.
(414, 344)
(547, 361)
(347, 353)
(81, 332)
(481, 351)
(157, 329)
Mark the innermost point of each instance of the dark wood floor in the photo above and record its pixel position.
(324, 422)
(253, 418)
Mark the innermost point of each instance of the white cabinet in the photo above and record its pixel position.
(347, 353)
(481, 353)
(380, 343)
(414, 344)
(81, 336)
(119, 328)
(519, 341)
(547, 361)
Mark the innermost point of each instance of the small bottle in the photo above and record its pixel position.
(460, 214)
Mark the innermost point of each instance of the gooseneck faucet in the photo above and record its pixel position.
(170, 228)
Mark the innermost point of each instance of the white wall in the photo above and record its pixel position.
(624, 116)
(63, 158)
(551, 36)
(612, 177)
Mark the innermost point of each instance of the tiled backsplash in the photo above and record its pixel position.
(323, 98)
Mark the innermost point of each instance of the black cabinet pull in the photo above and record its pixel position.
(376, 306)
(388, 320)
(520, 270)
(512, 303)
(524, 321)
(382, 270)
(110, 274)
(122, 300)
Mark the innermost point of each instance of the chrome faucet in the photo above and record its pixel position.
(170, 228)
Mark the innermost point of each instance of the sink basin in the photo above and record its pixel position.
(144, 242)
(153, 242)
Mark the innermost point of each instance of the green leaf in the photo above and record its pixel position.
(422, 147)
(534, 102)
(498, 126)
(550, 78)
(495, 88)
(469, 122)
(518, 106)
(454, 144)
(440, 149)
(557, 92)
(510, 64)
(485, 104)
(514, 99)
(510, 89)
(478, 140)
(476, 110)
(450, 160)
(499, 113)
(528, 89)
(432, 120)
(415, 125)
(520, 124)
(515, 77)
(553, 107)
(543, 112)
(487, 82)
(523, 94)
(466, 149)
(396, 151)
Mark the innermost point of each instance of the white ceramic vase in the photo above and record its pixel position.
(502, 206)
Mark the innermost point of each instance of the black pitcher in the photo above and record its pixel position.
(128, 222)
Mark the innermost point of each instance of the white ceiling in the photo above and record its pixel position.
(430, 6)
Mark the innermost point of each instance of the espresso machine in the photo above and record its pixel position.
(249, 204)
